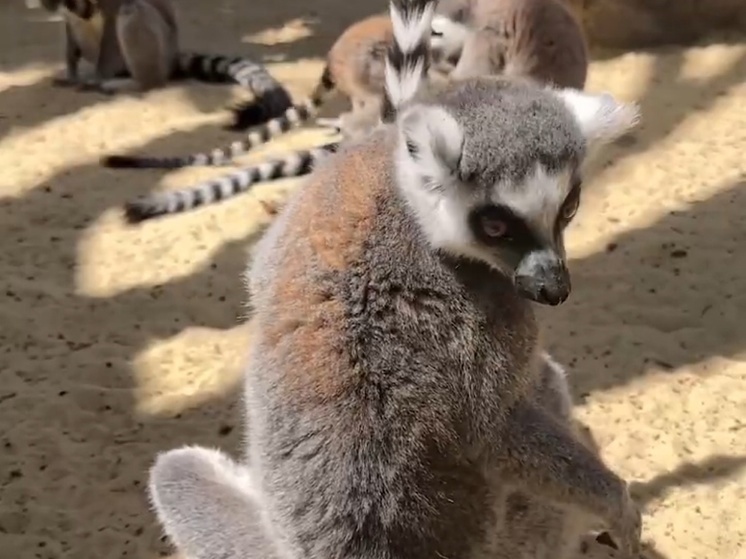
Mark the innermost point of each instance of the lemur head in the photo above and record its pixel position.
(491, 169)
(449, 29)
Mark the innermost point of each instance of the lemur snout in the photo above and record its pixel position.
(542, 276)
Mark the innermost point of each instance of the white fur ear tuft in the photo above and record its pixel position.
(432, 137)
(601, 117)
(447, 37)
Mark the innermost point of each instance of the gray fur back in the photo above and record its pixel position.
(343, 394)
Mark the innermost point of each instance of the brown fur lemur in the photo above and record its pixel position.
(540, 39)
(392, 393)
(134, 45)
(354, 67)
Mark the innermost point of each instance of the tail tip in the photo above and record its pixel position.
(265, 107)
(117, 161)
(246, 115)
(136, 212)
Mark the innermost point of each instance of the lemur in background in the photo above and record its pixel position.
(540, 39)
(134, 46)
(354, 67)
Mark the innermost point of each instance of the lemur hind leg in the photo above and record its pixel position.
(69, 75)
(149, 44)
(209, 506)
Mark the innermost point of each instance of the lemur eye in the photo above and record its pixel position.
(572, 202)
(494, 228)
(570, 208)
(497, 225)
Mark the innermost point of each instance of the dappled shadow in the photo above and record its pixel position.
(652, 272)
(32, 36)
(710, 471)
(74, 469)
(638, 23)
(668, 99)
(713, 469)
(25, 106)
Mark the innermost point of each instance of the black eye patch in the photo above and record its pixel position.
(413, 149)
(569, 206)
(483, 221)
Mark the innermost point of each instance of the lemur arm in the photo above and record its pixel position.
(542, 456)
(109, 54)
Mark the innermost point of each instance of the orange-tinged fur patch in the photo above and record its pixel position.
(305, 322)
(347, 57)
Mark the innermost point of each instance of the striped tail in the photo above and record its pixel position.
(409, 58)
(293, 117)
(208, 192)
(271, 97)
(249, 114)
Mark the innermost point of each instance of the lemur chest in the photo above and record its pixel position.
(87, 33)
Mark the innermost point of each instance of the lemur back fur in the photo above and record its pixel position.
(393, 393)
(354, 67)
(139, 45)
(540, 39)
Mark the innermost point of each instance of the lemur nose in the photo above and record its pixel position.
(543, 278)
(553, 296)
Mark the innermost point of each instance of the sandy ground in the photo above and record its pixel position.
(117, 343)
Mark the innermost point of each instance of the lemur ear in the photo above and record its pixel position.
(432, 137)
(601, 117)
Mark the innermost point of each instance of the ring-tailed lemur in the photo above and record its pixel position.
(393, 394)
(354, 67)
(134, 45)
(540, 39)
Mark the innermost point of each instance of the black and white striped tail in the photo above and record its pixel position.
(408, 60)
(292, 118)
(248, 114)
(271, 97)
(296, 164)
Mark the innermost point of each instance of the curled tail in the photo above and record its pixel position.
(246, 115)
(295, 164)
(293, 117)
(271, 97)
(408, 59)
